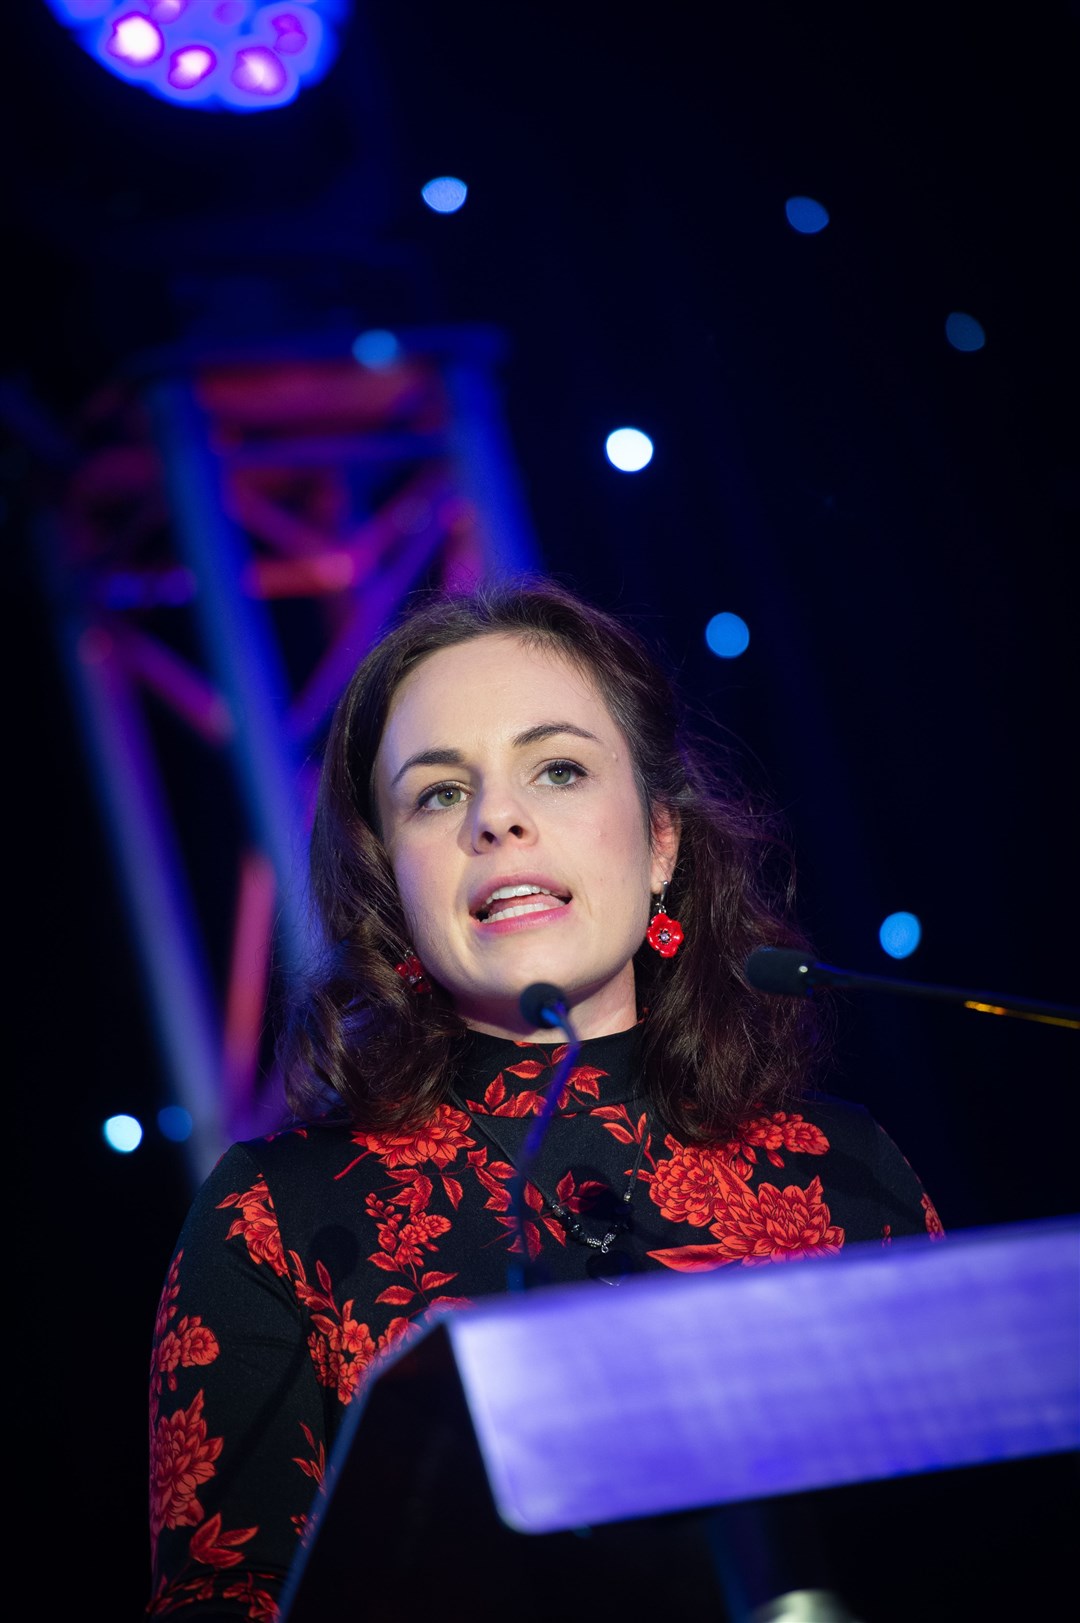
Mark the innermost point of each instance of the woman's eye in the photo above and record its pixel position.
(563, 774)
(446, 795)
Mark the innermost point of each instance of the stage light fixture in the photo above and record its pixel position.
(135, 40)
(806, 215)
(900, 934)
(628, 449)
(223, 54)
(727, 635)
(964, 332)
(122, 1133)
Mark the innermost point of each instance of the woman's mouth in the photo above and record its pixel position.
(517, 902)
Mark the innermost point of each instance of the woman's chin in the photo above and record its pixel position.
(599, 1003)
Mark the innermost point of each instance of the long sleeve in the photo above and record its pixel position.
(237, 1416)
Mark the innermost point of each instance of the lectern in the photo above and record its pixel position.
(566, 1452)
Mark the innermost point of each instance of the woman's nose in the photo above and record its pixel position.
(498, 815)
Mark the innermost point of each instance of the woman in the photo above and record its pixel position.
(506, 799)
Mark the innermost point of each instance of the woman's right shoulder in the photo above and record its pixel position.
(284, 1180)
(299, 1149)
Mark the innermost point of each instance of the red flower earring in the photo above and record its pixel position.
(412, 972)
(664, 934)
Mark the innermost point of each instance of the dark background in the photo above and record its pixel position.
(895, 520)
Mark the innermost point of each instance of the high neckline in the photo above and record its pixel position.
(499, 1076)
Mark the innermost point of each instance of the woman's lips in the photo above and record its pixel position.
(523, 915)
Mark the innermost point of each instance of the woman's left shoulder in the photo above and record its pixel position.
(840, 1118)
(868, 1169)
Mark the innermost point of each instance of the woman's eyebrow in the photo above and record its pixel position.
(436, 757)
(548, 729)
(531, 735)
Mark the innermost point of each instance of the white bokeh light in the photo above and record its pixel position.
(122, 1133)
(136, 40)
(628, 449)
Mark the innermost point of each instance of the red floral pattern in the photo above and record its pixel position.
(773, 1134)
(773, 1225)
(182, 1455)
(431, 1209)
(440, 1140)
(934, 1226)
(705, 1188)
(581, 1085)
(258, 1226)
(690, 1187)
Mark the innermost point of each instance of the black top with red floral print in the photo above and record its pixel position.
(308, 1255)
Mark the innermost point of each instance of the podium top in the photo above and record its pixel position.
(583, 1406)
(593, 1404)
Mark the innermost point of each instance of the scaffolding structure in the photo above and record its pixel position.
(230, 536)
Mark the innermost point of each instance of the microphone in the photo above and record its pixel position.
(787, 972)
(541, 1004)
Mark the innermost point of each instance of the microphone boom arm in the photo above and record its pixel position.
(778, 969)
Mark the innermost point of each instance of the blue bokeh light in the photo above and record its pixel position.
(900, 934)
(727, 635)
(122, 1133)
(806, 215)
(445, 194)
(376, 348)
(964, 332)
(628, 449)
(174, 1123)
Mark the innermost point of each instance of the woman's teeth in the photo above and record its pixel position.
(523, 899)
(542, 904)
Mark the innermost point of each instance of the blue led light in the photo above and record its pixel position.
(727, 635)
(174, 1122)
(964, 332)
(376, 348)
(122, 1133)
(806, 215)
(900, 934)
(445, 194)
(628, 449)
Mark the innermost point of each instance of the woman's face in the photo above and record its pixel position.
(501, 770)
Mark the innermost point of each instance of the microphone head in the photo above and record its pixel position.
(780, 969)
(542, 1004)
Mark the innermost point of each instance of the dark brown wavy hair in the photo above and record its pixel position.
(358, 1042)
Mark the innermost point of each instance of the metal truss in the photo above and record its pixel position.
(230, 538)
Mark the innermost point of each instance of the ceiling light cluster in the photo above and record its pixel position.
(210, 53)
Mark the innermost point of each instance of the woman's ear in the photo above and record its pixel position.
(664, 844)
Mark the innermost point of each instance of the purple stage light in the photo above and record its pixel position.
(259, 70)
(135, 39)
(200, 53)
(190, 66)
(291, 37)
